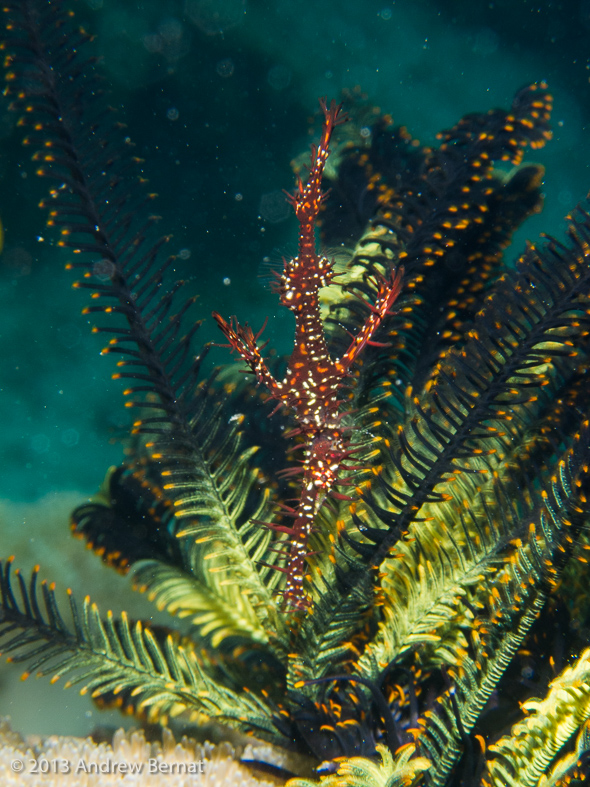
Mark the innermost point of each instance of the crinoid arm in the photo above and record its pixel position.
(149, 669)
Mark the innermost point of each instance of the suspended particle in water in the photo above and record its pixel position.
(214, 17)
(40, 443)
(274, 207)
(103, 269)
(172, 113)
(225, 67)
(279, 77)
(170, 29)
(175, 40)
(152, 42)
(16, 261)
(486, 42)
(70, 437)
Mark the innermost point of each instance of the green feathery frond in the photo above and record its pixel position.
(164, 676)
(403, 770)
(215, 615)
(195, 455)
(522, 758)
(566, 766)
(195, 452)
(513, 601)
(529, 323)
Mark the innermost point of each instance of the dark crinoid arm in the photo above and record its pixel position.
(163, 676)
(441, 218)
(480, 492)
(185, 498)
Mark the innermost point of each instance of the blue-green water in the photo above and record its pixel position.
(217, 97)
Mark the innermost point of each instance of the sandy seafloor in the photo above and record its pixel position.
(217, 96)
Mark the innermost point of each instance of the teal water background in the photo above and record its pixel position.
(217, 97)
